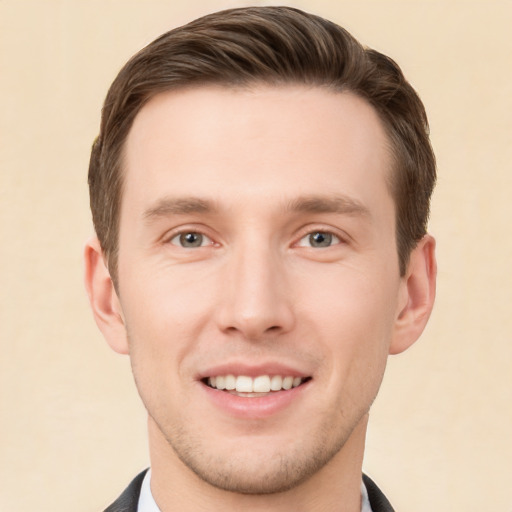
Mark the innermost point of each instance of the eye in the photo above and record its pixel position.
(319, 239)
(191, 240)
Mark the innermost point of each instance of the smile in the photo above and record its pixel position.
(243, 385)
(252, 393)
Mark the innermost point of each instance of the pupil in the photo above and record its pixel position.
(320, 239)
(191, 239)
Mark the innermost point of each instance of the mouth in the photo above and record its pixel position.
(254, 387)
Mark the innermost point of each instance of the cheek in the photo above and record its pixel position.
(164, 318)
(350, 300)
(354, 317)
(167, 297)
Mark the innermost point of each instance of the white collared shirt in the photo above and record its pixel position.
(147, 502)
(365, 501)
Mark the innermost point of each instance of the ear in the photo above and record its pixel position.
(417, 293)
(103, 298)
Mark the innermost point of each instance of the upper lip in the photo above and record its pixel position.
(252, 370)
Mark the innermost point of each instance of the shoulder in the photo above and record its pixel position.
(128, 501)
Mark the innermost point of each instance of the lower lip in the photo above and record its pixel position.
(254, 407)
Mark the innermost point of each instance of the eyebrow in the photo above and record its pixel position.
(340, 204)
(178, 206)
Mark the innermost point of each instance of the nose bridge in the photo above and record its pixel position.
(256, 301)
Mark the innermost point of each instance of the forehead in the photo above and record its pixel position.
(281, 141)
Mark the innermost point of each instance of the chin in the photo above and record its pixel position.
(256, 477)
(250, 469)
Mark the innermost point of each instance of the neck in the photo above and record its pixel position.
(334, 488)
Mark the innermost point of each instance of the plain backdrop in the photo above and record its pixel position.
(72, 429)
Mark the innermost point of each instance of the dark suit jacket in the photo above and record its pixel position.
(128, 501)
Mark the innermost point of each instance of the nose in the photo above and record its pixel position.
(256, 301)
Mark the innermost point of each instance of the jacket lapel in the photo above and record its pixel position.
(128, 501)
(378, 501)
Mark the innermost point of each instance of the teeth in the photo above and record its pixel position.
(243, 384)
(276, 383)
(287, 382)
(260, 384)
(230, 382)
(220, 382)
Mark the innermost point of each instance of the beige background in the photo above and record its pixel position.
(72, 431)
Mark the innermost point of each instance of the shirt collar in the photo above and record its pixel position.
(146, 501)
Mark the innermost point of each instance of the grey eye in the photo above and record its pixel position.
(320, 239)
(190, 240)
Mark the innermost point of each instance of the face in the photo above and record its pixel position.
(257, 253)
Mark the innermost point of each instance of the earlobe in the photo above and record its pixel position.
(418, 294)
(103, 298)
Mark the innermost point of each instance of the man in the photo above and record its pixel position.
(260, 192)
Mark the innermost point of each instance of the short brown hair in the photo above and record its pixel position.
(271, 45)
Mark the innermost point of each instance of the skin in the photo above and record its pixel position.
(256, 172)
